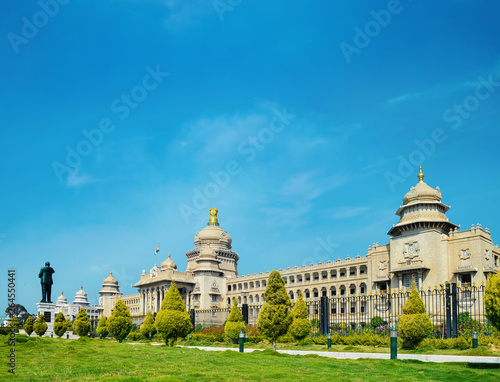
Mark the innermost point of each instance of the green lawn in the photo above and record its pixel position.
(49, 359)
(480, 351)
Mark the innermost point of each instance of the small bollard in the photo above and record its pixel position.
(246, 337)
(329, 340)
(150, 336)
(394, 343)
(474, 339)
(190, 336)
(100, 336)
(242, 339)
(67, 336)
(51, 335)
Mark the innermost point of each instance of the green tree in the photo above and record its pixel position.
(15, 310)
(492, 300)
(81, 326)
(414, 324)
(69, 325)
(119, 323)
(14, 322)
(102, 328)
(301, 326)
(148, 326)
(60, 324)
(274, 317)
(40, 326)
(172, 321)
(234, 324)
(28, 326)
(376, 322)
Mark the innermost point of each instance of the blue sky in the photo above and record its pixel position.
(304, 123)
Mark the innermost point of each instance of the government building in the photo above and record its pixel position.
(424, 246)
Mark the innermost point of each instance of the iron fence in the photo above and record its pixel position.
(453, 309)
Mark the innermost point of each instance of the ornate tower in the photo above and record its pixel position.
(417, 249)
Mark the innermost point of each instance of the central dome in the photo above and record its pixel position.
(212, 234)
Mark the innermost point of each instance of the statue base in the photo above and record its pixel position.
(48, 310)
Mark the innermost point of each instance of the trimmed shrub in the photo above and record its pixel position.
(14, 322)
(28, 326)
(119, 323)
(69, 325)
(135, 336)
(301, 326)
(210, 334)
(377, 322)
(148, 326)
(40, 326)
(173, 321)
(274, 317)
(414, 324)
(102, 328)
(81, 326)
(492, 300)
(60, 324)
(234, 324)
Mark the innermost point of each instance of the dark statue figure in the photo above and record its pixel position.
(46, 281)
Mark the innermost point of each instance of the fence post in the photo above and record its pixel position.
(323, 316)
(244, 312)
(448, 312)
(192, 315)
(454, 308)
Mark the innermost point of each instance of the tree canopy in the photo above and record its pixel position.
(172, 321)
(119, 323)
(274, 317)
(492, 300)
(81, 326)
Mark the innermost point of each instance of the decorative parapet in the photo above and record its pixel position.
(312, 266)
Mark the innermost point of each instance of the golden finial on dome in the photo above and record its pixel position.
(169, 255)
(213, 217)
(110, 272)
(421, 175)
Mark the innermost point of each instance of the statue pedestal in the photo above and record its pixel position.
(48, 310)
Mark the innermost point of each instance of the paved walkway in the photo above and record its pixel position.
(347, 355)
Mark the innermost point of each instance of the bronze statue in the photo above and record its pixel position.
(46, 281)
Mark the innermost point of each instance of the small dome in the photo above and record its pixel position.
(168, 264)
(422, 192)
(81, 292)
(62, 299)
(207, 253)
(110, 279)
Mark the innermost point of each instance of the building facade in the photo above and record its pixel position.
(70, 310)
(424, 246)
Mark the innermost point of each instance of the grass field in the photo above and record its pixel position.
(40, 359)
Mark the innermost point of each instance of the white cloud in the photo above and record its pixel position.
(77, 180)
